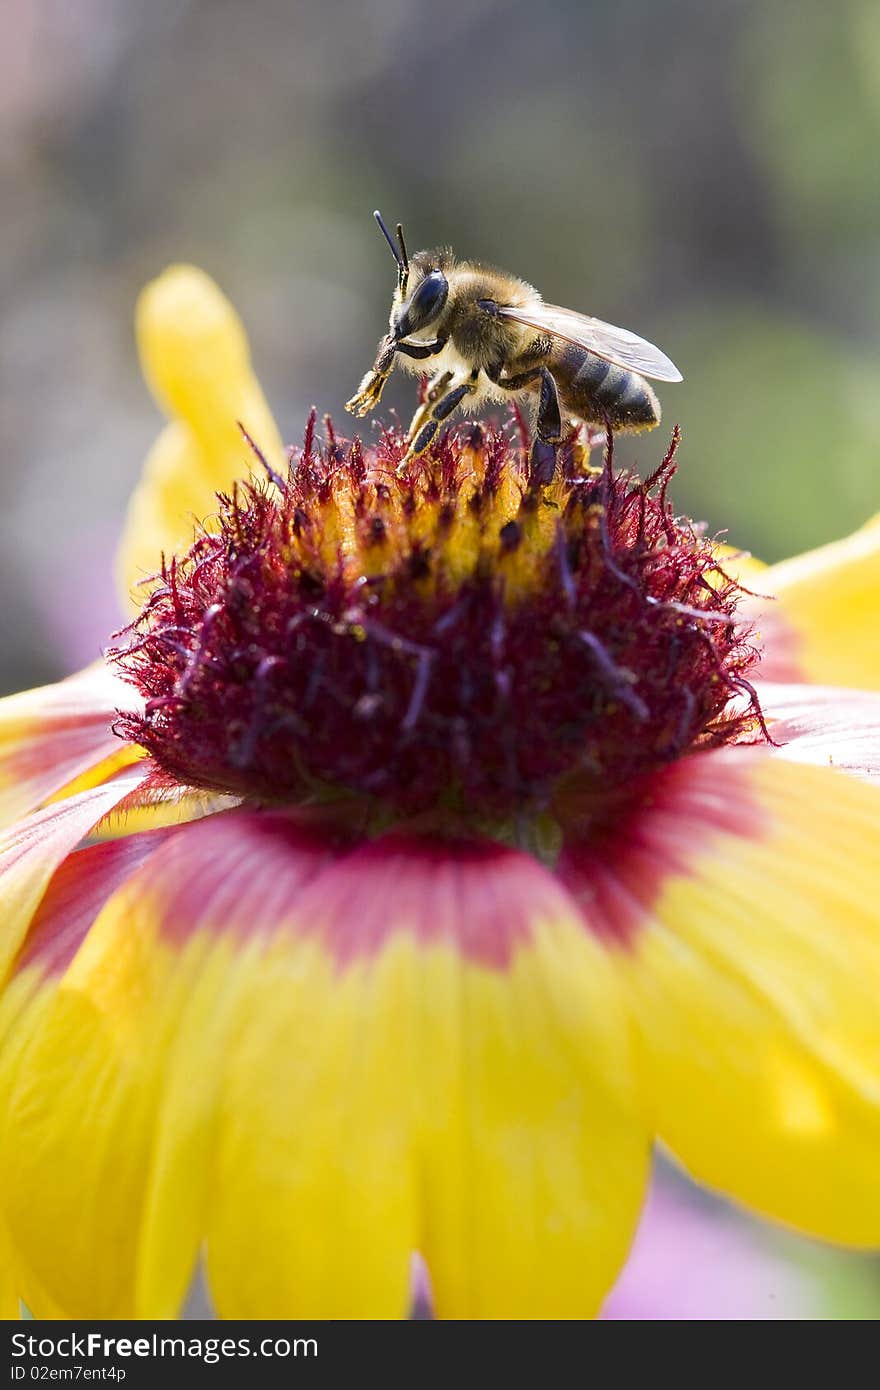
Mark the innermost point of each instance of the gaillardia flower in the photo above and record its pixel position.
(431, 846)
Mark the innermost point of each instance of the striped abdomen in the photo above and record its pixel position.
(593, 390)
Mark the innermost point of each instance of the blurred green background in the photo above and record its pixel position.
(702, 171)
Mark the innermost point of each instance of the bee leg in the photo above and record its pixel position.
(548, 422)
(437, 384)
(370, 390)
(421, 350)
(369, 394)
(548, 433)
(373, 384)
(439, 412)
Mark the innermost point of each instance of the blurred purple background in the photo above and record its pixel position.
(704, 174)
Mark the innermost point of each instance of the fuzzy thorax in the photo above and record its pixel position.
(450, 642)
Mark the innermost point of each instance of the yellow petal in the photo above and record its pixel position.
(109, 1113)
(824, 725)
(9, 1301)
(31, 851)
(825, 622)
(318, 1068)
(40, 926)
(81, 1107)
(754, 968)
(195, 357)
(75, 894)
(161, 810)
(54, 737)
(316, 1208)
(452, 1073)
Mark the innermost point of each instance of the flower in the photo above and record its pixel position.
(452, 852)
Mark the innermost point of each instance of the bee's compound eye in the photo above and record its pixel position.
(429, 298)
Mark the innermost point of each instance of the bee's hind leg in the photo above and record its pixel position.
(548, 421)
(548, 433)
(438, 412)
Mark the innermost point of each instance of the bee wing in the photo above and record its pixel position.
(614, 344)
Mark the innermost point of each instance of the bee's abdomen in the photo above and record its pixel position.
(593, 389)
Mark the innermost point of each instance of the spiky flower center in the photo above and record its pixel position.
(454, 641)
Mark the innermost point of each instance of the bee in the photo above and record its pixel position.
(488, 335)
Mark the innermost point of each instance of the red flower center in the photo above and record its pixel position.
(452, 641)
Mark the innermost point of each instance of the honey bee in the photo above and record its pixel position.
(489, 336)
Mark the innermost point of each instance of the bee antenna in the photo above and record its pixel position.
(402, 248)
(387, 235)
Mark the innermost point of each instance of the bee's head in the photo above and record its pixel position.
(422, 287)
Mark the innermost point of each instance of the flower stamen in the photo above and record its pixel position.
(461, 638)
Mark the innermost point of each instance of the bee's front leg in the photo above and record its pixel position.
(370, 390)
(369, 393)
